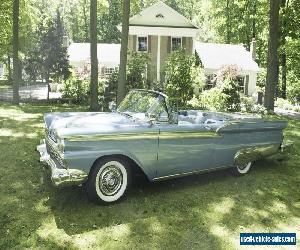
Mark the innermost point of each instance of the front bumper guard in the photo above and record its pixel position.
(60, 176)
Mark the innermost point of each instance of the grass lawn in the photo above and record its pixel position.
(205, 211)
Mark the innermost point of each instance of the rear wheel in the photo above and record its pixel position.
(108, 181)
(241, 169)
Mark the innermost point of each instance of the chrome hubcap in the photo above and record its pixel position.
(111, 180)
(242, 167)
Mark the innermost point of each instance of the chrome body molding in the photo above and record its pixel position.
(172, 176)
(60, 176)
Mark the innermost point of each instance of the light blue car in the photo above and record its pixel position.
(104, 150)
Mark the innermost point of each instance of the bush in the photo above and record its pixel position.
(293, 88)
(247, 104)
(182, 76)
(78, 90)
(283, 104)
(214, 99)
(228, 84)
(137, 70)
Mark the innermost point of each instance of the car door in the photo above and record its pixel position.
(185, 148)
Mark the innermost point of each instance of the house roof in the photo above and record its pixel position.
(161, 15)
(214, 56)
(106, 53)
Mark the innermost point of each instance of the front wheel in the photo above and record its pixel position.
(241, 169)
(108, 181)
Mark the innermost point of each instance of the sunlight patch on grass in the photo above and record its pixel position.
(10, 133)
(41, 207)
(223, 207)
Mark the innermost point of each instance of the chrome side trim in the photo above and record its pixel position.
(189, 135)
(189, 173)
(109, 137)
(60, 176)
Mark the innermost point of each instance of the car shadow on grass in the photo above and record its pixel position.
(191, 209)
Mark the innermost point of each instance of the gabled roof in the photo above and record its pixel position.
(214, 56)
(161, 15)
(106, 53)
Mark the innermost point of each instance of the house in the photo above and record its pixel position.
(108, 58)
(159, 30)
(215, 56)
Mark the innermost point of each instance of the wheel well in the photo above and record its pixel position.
(136, 169)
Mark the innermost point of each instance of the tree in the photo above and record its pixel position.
(16, 63)
(94, 61)
(123, 54)
(272, 62)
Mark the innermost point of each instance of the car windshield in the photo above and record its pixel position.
(143, 102)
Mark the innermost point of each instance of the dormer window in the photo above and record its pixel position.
(142, 43)
(159, 15)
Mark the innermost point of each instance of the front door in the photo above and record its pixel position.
(185, 148)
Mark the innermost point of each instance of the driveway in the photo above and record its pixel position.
(37, 92)
(288, 113)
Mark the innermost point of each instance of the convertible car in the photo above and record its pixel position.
(104, 150)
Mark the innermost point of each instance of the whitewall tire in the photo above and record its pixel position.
(242, 169)
(108, 181)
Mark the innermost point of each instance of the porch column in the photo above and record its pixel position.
(158, 59)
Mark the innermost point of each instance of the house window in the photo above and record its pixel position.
(176, 43)
(241, 83)
(142, 43)
(108, 72)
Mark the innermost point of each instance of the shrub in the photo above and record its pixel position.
(261, 78)
(182, 76)
(247, 104)
(227, 82)
(214, 99)
(283, 104)
(137, 70)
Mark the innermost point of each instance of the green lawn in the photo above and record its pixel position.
(205, 211)
(5, 87)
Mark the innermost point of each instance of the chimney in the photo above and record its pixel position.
(253, 48)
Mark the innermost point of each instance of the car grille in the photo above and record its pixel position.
(53, 154)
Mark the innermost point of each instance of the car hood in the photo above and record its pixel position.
(85, 123)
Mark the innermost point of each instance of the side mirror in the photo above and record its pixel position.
(112, 106)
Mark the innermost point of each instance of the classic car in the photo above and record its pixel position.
(104, 149)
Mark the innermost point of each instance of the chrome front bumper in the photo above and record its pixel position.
(60, 176)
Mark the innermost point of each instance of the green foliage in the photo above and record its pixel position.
(293, 88)
(49, 57)
(227, 82)
(182, 76)
(214, 99)
(78, 90)
(261, 78)
(137, 70)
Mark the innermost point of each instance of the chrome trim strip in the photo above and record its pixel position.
(106, 137)
(147, 135)
(189, 173)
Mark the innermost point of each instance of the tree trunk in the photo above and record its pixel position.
(16, 64)
(228, 22)
(86, 28)
(272, 61)
(9, 69)
(123, 54)
(94, 60)
(48, 86)
(284, 6)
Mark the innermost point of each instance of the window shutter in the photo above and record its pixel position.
(184, 42)
(246, 84)
(149, 44)
(134, 41)
(169, 45)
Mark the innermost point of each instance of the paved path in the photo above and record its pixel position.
(288, 113)
(37, 92)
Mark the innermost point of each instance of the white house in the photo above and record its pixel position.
(108, 57)
(159, 30)
(215, 56)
